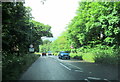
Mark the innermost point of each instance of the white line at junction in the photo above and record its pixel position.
(94, 78)
(76, 66)
(65, 66)
(78, 71)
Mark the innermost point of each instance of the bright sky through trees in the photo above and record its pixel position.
(56, 13)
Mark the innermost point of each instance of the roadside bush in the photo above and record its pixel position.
(107, 57)
(99, 54)
(88, 57)
(76, 56)
(13, 66)
(55, 54)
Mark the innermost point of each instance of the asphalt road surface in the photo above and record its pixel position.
(52, 68)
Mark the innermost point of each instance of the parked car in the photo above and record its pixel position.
(49, 53)
(64, 55)
(43, 54)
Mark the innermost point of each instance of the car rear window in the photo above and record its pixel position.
(65, 52)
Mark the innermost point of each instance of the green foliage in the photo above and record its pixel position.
(20, 65)
(55, 54)
(92, 20)
(99, 54)
(19, 30)
(14, 25)
(39, 30)
(60, 44)
(108, 56)
(89, 57)
(95, 31)
(76, 55)
(46, 46)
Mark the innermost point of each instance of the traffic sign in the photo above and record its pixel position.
(31, 49)
(31, 45)
(71, 47)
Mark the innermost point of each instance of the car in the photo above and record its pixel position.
(64, 55)
(43, 54)
(49, 53)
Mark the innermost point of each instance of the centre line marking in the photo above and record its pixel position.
(75, 66)
(78, 71)
(65, 66)
(87, 80)
(94, 78)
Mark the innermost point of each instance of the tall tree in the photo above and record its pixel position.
(17, 30)
(95, 23)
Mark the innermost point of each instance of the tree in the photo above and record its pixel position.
(93, 20)
(46, 46)
(17, 30)
(15, 26)
(60, 44)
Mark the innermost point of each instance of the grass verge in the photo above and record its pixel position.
(104, 55)
(14, 66)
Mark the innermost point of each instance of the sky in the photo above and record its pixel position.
(56, 13)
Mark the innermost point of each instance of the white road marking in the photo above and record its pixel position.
(68, 64)
(87, 80)
(78, 71)
(75, 66)
(94, 78)
(65, 66)
(106, 80)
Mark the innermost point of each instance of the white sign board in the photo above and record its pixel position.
(31, 46)
(31, 49)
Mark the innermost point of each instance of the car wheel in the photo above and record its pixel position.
(68, 57)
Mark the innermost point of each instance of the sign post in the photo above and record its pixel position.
(31, 49)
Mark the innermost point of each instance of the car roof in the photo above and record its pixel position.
(62, 51)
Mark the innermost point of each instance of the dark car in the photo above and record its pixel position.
(64, 55)
(43, 54)
(49, 53)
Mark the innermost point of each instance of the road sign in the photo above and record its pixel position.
(31, 46)
(71, 47)
(31, 49)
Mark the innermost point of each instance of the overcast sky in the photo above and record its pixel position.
(56, 13)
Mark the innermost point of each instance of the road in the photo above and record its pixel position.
(52, 68)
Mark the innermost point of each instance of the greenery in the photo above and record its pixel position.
(61, 44)
(93, 33)
(95, 23)
(45, 47)
(99, 54)
(14, 66)
(19, 30)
